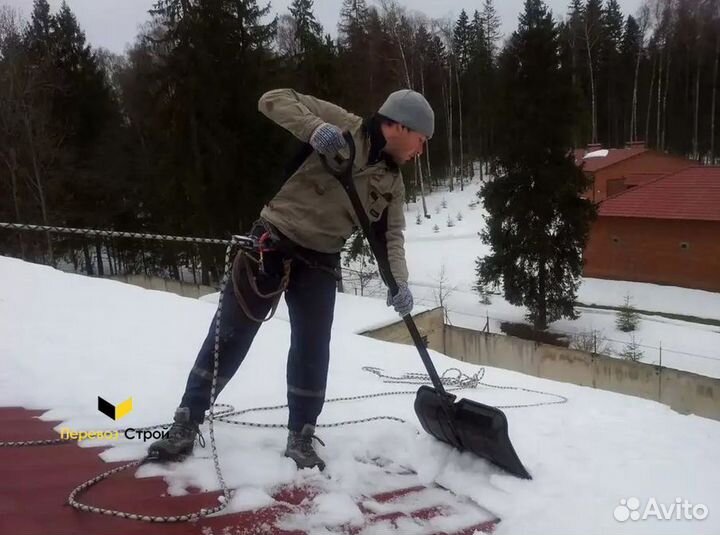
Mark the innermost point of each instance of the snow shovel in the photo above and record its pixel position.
(466, 425)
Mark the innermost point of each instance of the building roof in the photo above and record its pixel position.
(638, 179)
(691, 194)
(38, 479)
(600, 162)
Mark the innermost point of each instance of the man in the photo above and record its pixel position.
(306, 225)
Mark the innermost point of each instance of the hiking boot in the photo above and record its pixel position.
(300, 448)
(180, 438)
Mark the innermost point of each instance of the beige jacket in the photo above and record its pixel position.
(311, 208)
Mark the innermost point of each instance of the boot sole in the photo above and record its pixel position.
(162, 456)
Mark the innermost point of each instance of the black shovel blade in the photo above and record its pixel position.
(469, 426)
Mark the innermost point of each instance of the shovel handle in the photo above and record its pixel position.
(343, 173)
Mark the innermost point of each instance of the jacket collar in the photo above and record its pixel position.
(373, 131)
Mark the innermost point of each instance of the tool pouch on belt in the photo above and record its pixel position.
(260, 275)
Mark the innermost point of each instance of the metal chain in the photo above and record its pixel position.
(115, 234)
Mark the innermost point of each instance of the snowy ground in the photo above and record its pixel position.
(685, 345)
(65, 339)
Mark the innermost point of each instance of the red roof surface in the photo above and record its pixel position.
(38, 479)
(693, 193)
(614, 156)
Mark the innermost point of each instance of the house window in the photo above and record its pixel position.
(684, 245)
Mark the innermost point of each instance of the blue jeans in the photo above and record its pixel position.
(310, 297)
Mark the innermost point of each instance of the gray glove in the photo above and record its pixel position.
(402, 301)
(327, 139)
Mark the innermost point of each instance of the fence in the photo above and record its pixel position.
(195, 264)
(684, 392)
(118, 254)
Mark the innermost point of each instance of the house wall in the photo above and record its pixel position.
(652, 250)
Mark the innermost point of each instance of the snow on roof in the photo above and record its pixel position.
(116, 340)
(611, 157)
(596, 154)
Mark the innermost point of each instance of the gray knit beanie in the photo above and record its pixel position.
(410, 109)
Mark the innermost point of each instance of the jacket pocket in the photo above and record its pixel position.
(378, 198)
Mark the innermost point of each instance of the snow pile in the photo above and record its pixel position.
(596, 154)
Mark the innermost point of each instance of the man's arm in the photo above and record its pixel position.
(302, 114)
(394, 233)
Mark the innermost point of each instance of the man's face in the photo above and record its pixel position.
(403, 144)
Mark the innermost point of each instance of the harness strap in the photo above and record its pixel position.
(242, 262)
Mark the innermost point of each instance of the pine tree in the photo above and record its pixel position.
(308, 30)
(575, 62)
(38, 32)
(627, 319)
(461, 40)
(490, 27)
(353, 50)
(207, 63)
(538, 224)
(314, 59)
(352, 27)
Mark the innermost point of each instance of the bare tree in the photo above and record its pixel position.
(443, 291)
(643, 23)
(460, 125)
(715, 82)
(592, 37)
(650, 100)
(360, 263)
(9, 31)
(286, 36)
(699, 22)
(29, 148)
(445, 31)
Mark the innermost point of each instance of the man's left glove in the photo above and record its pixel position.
(402, 301)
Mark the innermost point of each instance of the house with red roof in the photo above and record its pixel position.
(615, 170)
(664, 231)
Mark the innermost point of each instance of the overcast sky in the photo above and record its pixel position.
(114, 23)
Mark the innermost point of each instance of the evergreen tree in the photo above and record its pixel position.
(538, 224)
(308, 31)
(314, 58)
(461, 40)
(627, 319)
(490, 27)
(574, 59)
(207, 64)
(354, 49)
(352, 27)
(38, 32)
